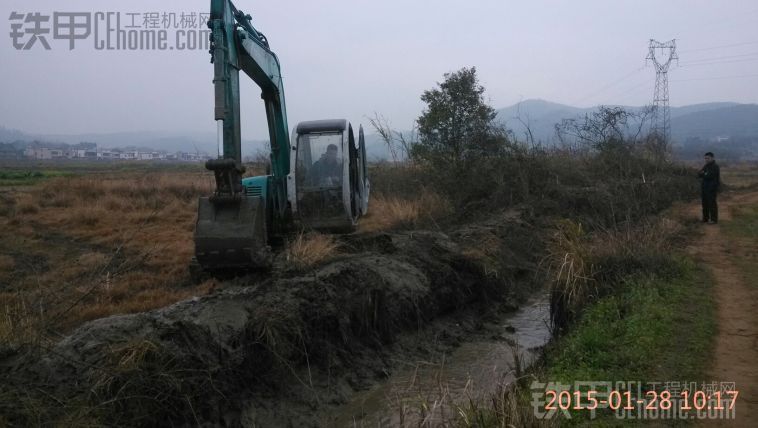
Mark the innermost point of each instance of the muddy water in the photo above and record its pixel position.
(472, 371)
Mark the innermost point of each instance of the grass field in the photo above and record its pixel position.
(85, 241)
(28, 177)
(743, 231)
(83, 245)
(740, 176)
(89, 243)
(654, 330)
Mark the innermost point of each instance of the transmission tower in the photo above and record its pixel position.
(662, 54)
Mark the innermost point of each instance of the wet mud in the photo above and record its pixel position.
(295, 348)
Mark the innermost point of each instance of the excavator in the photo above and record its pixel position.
(316, 180)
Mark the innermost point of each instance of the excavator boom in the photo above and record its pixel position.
(321, 183)
(233, 227)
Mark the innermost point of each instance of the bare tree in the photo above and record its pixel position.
(399, 144)
(526, 124)
(382, 127)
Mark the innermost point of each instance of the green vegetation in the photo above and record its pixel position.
(649, 329)
(653, 329)
(744, 223)
(15, 178)
(457, 127)
(22, 173)
(742, 231)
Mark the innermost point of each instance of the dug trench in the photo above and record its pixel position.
(286, 349)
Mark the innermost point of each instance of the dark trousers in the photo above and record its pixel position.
(710, 206)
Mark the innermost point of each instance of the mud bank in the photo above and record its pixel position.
(431, 389)
(283, 350)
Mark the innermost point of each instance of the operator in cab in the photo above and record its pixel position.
(327, 171)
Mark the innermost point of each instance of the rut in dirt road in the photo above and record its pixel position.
(735, 356)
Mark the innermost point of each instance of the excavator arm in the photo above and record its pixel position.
(236, 45)
(234, 224)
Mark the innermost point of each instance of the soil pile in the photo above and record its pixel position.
(272, 350)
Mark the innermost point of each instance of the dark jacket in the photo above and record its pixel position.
(711, 177)
(325, 167)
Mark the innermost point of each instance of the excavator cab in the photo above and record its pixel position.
(328, 187)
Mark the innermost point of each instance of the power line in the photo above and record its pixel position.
(728, 59)
(647, 85)
(722, 57)
(609, 85)
(716, 78)
(718, 62)
(719, 47)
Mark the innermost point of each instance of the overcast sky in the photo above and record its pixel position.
(350, 58)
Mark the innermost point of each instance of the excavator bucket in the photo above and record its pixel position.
(232, 234)
(325, 188)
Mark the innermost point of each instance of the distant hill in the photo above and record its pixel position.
(707, 120)
(696, 108)
(739, 120)
(539, 117)
(165, 141)
(703, 121)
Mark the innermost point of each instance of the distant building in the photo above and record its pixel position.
(190, 157)
(109, 154)
(82, 154)
(32, 152)
(43, 153)
(84, 151)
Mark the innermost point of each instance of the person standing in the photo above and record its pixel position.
(710, 175)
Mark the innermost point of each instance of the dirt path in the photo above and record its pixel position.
(735, 357)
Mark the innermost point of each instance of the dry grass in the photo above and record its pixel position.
(26, 206)
(310, 249)
(487, 251)
(428, 404)
(571, 270)
(388, 212)
(584, 266)
(7, 264)
(511, 406)
(80, 248)
(740, 176)
(629, 241)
